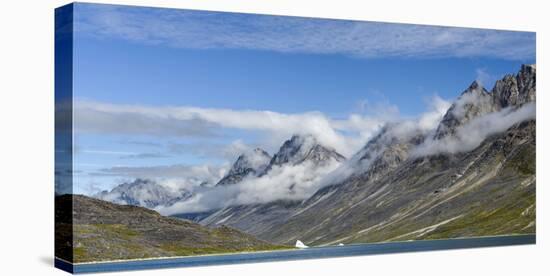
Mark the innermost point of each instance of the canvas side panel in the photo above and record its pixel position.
(64, 134)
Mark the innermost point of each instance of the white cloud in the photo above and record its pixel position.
(208, 30)
(347, 136)
(103, 152)
(472, 134)
(437, 109)
(302, 181)
(286, 182)
(108, 119)
(343, 135)
(396, 131)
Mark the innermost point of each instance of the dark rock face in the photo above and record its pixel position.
(247, 164)
(510, 91)
(106, 231)
(145, 193)
(516, 90)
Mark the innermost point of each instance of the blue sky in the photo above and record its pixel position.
(159, 87)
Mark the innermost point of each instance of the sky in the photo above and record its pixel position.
(180, 94)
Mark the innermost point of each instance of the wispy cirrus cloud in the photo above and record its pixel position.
(216, 30)
(145, 155)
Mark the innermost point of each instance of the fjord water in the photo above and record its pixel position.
(308, 253)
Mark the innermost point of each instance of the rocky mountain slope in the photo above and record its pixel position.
(398, 193)
(105, 231)
(247, 164)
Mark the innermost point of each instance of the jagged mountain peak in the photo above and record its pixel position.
(513, 90)
(251, 162)
(255, 159)
(300, 148)
(475, 87)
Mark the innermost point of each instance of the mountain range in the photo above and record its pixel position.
(398, 193)
(472, 175)
(256, 163)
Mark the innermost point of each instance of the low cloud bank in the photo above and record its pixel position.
(285, 182)
(473, 133)
(344, 135)
(301, 181)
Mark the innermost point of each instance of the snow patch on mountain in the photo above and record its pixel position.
(144, 192)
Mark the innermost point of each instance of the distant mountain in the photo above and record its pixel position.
(144, 192)
(249, 163)
(393, 194)
(103, 231)
(302, 148)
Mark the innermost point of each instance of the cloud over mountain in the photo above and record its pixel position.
(344, 135)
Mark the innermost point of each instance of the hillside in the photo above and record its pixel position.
(105, 231)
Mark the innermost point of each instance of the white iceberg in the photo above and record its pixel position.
(300, 244)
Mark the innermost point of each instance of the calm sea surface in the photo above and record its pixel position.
(300, 254)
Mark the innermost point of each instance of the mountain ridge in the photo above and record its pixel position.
(302, 148)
